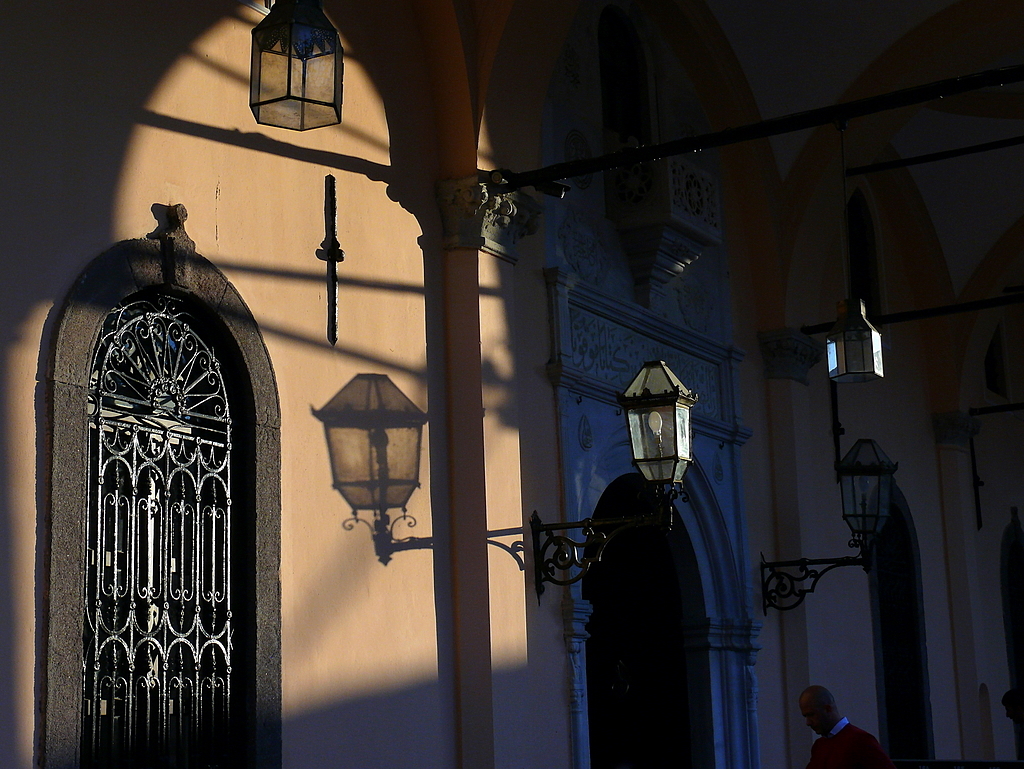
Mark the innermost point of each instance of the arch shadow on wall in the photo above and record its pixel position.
(165, 262)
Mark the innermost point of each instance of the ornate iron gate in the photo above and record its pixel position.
(157, 683)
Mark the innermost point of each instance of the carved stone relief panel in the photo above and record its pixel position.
(585, 253)
(607, 351)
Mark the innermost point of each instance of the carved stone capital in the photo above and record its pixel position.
(789, 354)
(955, 428)
(475, 216)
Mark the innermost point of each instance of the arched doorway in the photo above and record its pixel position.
(903, 701)
(1013, 607)
(636, 666)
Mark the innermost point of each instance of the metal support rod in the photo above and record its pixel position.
(981, 411)
(932, 157)
(330, 251)
(927, 312)
(977, 483)
(837, 113)
(837, 426)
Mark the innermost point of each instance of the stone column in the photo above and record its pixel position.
(577, 613)
(953, 431)
(788, 357)
(480, 232)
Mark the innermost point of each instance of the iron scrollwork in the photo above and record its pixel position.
(158, 624)
(555, 553)
(784, 590)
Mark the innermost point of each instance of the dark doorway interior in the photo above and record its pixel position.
(636, 665)
(903, 684)
(1013, 608)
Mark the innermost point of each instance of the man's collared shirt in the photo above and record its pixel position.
(838, 727)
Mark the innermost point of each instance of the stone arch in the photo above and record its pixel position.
(169, 264)
(718, 634)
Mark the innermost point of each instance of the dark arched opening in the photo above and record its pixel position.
(904, 709)
(1013, 607)
(624, 100)
(638, 707)
(864, 282)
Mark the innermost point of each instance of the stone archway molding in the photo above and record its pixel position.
(166, 260)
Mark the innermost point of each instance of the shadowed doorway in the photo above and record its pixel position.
(904, 702)
(638, 708)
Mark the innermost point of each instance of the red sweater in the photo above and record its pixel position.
(851, 748)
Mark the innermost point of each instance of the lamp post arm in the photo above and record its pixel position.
(782, 590)
(554, 553)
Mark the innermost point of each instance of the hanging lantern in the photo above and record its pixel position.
(865, 480)
(374, 434)
(295, 80)
(657, 407)
(854, 345)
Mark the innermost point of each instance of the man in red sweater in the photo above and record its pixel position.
(841, 745)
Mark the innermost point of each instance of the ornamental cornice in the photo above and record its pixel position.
(789, 354)
(477, 216)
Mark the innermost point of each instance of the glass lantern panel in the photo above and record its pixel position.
(683, 448)
(857, 350)
(659, 470)
(296, 77)
(283, 114)
(653, 432)
(273, 76)
(318, 115)
(860, 503)
(320, 79)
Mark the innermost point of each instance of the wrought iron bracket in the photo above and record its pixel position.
(784, 590)
(555, 553)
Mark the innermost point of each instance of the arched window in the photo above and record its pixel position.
(623, 80)
(163, 588)
(863, 254)
(161, 681)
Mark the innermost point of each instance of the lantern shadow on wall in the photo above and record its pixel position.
(374, 437)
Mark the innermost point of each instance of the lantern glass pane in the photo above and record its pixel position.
(319, 80)
(860, 508)
(317, 116)
(273, 79)
(654, 432)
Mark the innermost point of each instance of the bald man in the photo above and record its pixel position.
(841, 744)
